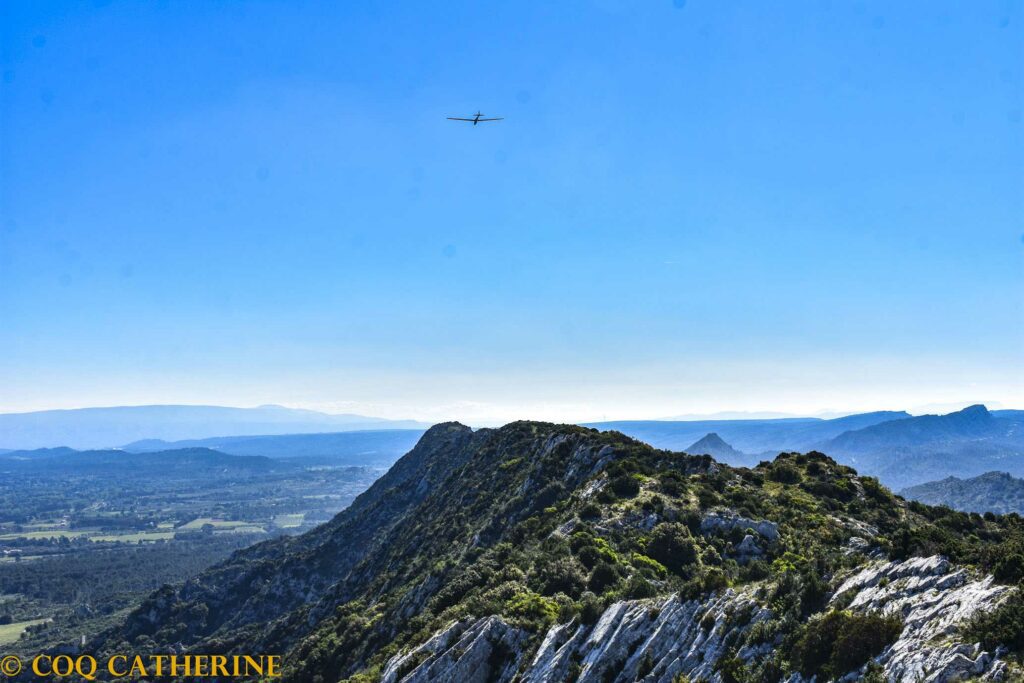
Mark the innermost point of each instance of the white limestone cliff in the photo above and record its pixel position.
(655, 640)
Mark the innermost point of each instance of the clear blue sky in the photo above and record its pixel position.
(690, 207)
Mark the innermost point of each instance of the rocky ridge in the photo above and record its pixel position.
(656, 641)
(543, 553)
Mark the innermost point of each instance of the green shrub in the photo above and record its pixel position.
(835, 643)
(646, 563)
(548, 496)
(1009, 568)
(784, 473)
(638, 588)
(533, 609)
(1002, 626)
(604, 576)
(591, 549)
(562, 575)
(672, 483)
(591, 608)
(625, 486)
(707, 498)
(672, 545)
(732, 670)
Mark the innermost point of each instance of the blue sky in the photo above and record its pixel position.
(690, 207)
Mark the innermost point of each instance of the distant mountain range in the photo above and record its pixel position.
(900, 449)
(750, 436)
(905, 452)
(376, 448)
(56, 461)
(109, 427)
(996, 492)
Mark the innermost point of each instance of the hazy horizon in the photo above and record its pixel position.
(724, 415)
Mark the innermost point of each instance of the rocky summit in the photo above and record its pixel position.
(540, 553)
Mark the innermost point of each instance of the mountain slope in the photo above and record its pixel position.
(996, 492)
(973, 422)
(483, 551)
(108, 427)
(928, 447)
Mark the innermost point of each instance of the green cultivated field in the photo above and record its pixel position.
(9, 633)
(93, 535)
(86, 537)
(135, 537)
(54, 533)
(289, 521)
(200, 522)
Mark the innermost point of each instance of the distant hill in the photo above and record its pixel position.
(713, 445)
(997, 492)
(749, 436)
(898, 448)
(186, 460)
(929, 447)
(108, 427)
(970, 423)
(377, 448)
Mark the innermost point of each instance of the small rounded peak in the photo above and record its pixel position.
(448, 427)
(976, 409)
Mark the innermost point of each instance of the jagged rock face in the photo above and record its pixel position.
(720, 521)
(656, 640)
(651, 640)
(466, 651)
(934, 598)
(648, 641)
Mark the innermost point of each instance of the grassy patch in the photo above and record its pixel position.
(200, 522)
(54, 533)
(9, 633)
(289, 521)
(135, 537)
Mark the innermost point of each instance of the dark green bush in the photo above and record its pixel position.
(672, 483)
(625, 486)
(672, 545)
(591, 608)
(835, 643)
(563, 575)
(1002, 626)
(604, 576)
(637, 588)
(1009, 568)
(732, 670)
(784, 473)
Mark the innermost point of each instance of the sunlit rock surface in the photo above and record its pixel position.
(656, 640)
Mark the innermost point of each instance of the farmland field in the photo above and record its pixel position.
(81, 541)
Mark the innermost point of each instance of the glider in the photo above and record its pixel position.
(477, 118)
